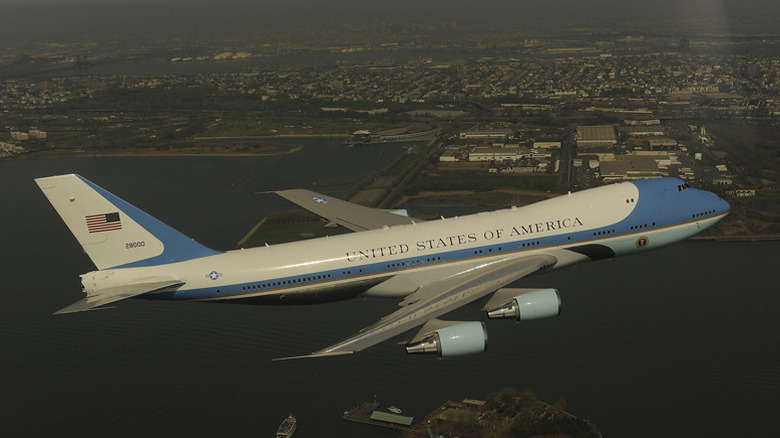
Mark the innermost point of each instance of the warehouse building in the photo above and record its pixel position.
(662, 144)
(491, 134)
(643, 131)
(496, 154)
(629, 167)
(596, 136)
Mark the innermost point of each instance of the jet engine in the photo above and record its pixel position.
(526, 305)
(454, 340)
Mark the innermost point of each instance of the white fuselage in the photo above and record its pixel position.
(598, 223)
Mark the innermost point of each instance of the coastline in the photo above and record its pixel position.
(292, 150)
(271, 137)
(420, 196)
(194, 154)
(251, 233)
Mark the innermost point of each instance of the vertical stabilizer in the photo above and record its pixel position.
(112, 232)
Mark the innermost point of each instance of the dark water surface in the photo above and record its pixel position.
(678, 342)
(153, 68)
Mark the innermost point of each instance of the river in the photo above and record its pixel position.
(682, 341)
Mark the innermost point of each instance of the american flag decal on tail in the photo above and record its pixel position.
(97, 223)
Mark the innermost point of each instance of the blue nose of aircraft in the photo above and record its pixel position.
(703, 204)
(720, 206)
(725, 207)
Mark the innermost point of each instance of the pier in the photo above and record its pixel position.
(367, 413)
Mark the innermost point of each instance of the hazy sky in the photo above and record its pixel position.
(44, 19)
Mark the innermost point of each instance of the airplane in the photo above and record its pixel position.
(432, 266)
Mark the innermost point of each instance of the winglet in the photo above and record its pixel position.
(309, 356)
(80, 306)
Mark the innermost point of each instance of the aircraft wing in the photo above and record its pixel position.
(437, 298)
(353, 216)
(118, 293)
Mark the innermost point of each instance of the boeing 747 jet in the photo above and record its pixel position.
(431, 267)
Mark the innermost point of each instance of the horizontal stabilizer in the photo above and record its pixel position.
(118, 293)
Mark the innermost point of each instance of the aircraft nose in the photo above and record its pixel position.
(718, 204)
(722, 206)
(726, 206)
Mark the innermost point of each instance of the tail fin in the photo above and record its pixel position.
(112, 232)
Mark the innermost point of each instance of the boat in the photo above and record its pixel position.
(287, 428)
(394, 410)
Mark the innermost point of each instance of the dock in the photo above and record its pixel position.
(367, 413)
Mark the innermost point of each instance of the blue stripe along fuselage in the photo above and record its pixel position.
(664, 205)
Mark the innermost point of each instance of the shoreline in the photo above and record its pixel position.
(251, 233)
(163, 154)
(271, 137)
(423, 195)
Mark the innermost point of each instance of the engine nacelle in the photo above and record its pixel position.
(528, 306)
(455, 340)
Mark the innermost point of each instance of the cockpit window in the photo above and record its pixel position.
(682, 187)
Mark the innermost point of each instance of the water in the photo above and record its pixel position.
(765, 205)
(677, 342)
(128, 68)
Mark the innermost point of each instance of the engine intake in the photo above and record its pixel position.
(455, 340)
(529, 306)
